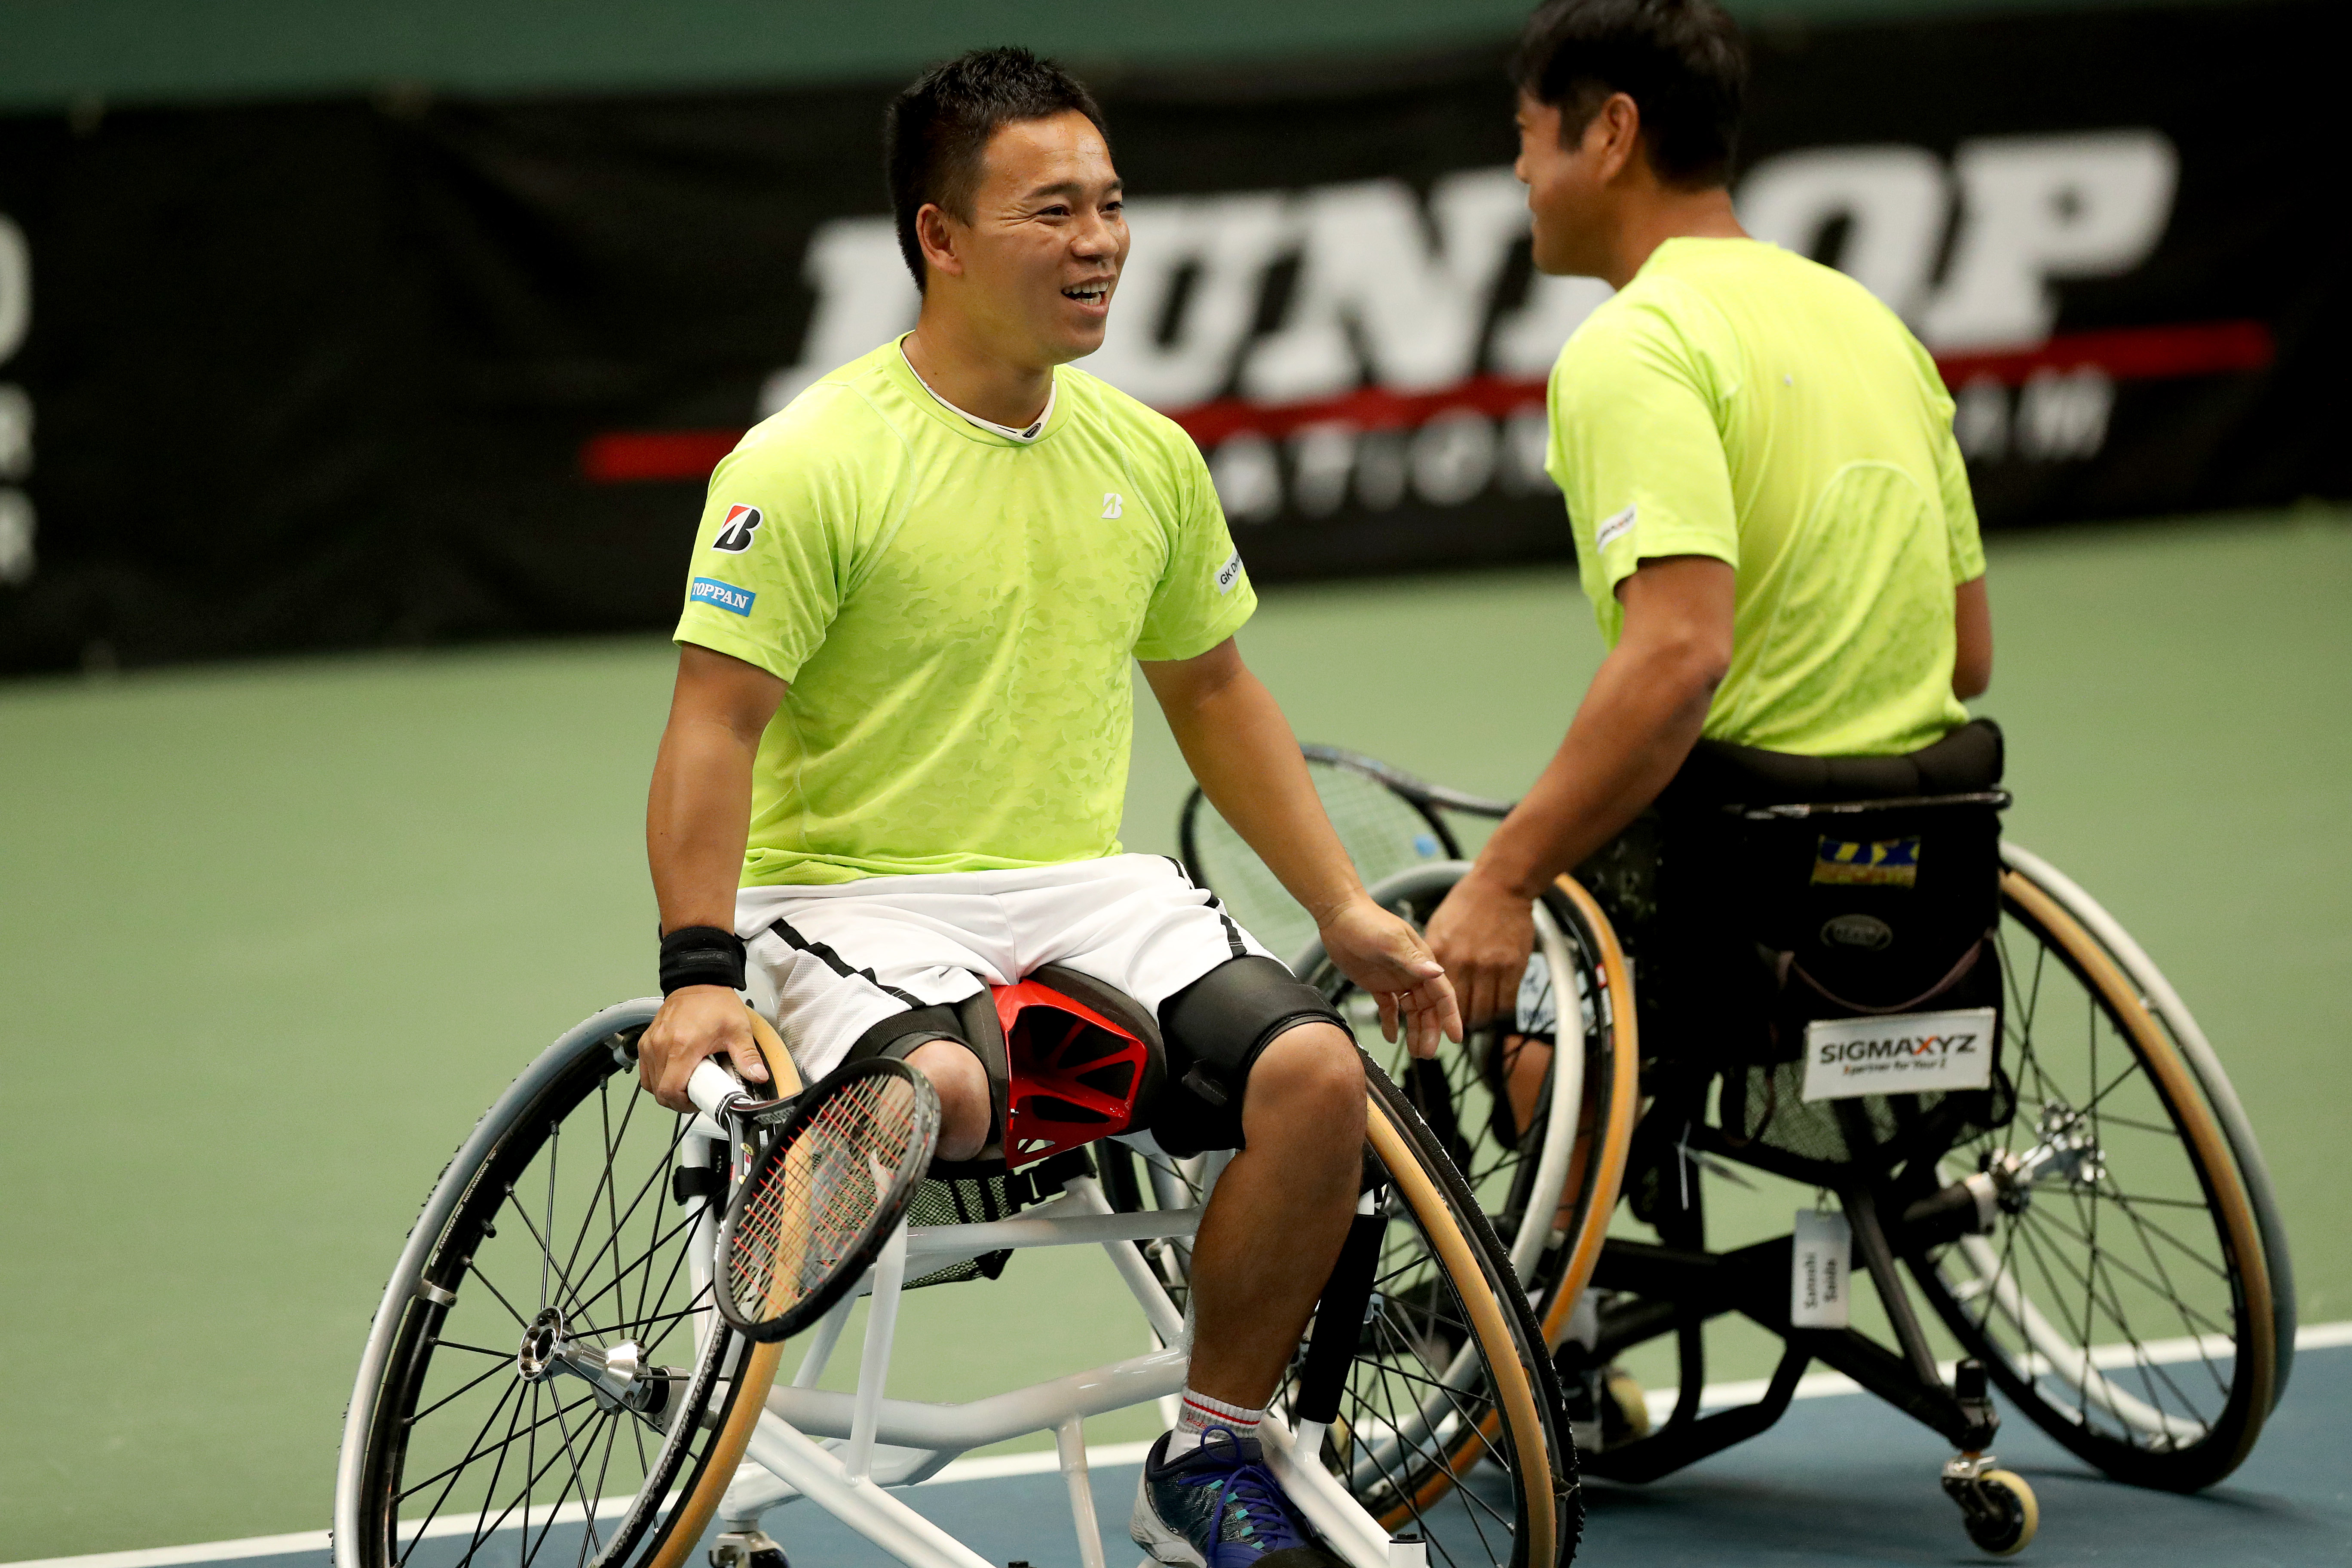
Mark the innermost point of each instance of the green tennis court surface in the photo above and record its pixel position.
(273, 935)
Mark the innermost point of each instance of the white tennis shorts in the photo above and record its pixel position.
(828, 964)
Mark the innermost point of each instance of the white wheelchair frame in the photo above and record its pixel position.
(844, 1451)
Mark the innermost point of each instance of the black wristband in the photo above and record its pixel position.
(701, 955)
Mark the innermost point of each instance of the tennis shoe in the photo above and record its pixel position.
(1220, 1507)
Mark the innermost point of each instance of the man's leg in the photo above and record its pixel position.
(962, 1086)
(1280, 1212)
(1274, 1228)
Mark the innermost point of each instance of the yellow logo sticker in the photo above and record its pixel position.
(1875, 863)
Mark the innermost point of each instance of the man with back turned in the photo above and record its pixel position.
(1771, 517)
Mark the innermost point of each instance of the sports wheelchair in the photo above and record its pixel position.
(2085, 1212)
(547, 1381)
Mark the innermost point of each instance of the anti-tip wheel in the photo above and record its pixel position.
(747, 1549)
(2006, 1525)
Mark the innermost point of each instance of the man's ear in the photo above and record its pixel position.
(936, 234)
(1618, 126)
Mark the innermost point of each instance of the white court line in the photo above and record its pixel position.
(2153, 1352)
(995, 1466)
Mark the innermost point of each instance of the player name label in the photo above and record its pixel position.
(1902, 1053)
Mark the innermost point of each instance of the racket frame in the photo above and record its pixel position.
(1426, 799)
(769, 1129)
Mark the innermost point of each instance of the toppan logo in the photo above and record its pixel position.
(1907, 1053)
(1408, 362)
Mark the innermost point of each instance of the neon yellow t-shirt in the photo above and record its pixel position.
(1738, 401)
(955, 611)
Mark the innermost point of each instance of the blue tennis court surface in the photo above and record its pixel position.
(1842, 1481)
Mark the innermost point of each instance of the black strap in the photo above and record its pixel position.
(696, 1181)
(1043, 1180)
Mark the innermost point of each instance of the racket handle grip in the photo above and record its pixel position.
(714, 1091)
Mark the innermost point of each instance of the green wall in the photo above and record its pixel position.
(57, 53)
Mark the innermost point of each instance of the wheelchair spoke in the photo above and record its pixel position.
(474, 1269)
(613, 1242)
(477, 1350)
(515, 1434)
(453, 1472)
(463, 1388)
(2119, 1197)
(533, 1472)
(681, 1228)
(547, 1260)
(627, 1324)
(2086, 1337)
(603, 1182)
(575, 1487)
(1435, 1459)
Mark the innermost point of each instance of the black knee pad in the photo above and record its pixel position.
(1215, 1029)
(901, 1035)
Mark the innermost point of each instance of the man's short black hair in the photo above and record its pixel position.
(939, 128)
(1681, 61)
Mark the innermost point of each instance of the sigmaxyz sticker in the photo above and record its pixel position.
(1901, 1053)
(1229, 573)
(725, 595)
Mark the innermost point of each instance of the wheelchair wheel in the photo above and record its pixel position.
(545, 1379)
(1449, 1418)
(1543, 1149)
(2124, 1299)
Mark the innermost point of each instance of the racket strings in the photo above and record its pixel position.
(1383, 832)
(815, 1201)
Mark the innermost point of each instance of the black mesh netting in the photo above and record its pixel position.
(963, 1200)
(1766, 1104)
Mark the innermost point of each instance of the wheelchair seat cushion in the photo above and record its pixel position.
(1965, 762)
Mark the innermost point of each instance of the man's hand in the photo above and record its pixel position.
(1483, 933)
(1387, 958)
(695, 1022)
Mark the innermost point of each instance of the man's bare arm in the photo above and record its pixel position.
(698, 815)
(1242, 751)
(1972, 657)
(1635, 726)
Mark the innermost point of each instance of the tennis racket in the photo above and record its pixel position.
(828, 1179)
(1387, 819)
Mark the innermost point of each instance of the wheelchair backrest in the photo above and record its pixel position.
(1797, 889)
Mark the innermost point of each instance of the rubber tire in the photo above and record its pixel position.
(1612, 1077)
(1458, 1231)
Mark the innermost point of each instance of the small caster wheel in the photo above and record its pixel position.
(747, 1549)
(2017, 1514)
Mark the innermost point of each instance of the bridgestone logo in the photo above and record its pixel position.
(1907, 1053)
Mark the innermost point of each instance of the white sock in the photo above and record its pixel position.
(1198, 1413)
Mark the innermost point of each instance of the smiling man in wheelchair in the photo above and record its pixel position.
(1774, 528)
(897, 755)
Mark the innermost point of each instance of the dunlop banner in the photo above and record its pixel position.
(411, 369)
